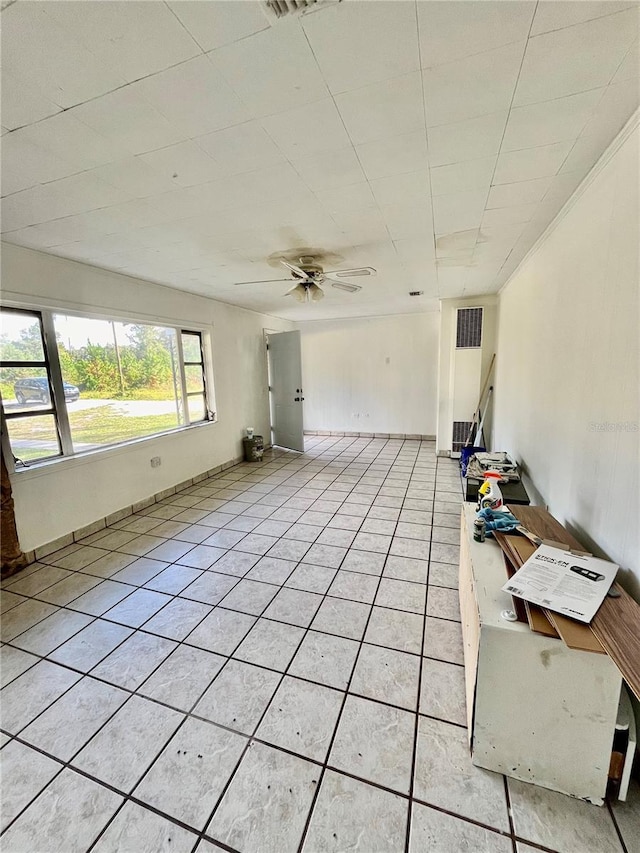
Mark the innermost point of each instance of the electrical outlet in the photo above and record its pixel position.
(156, 461)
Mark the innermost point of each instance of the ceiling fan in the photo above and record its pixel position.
(309, 275)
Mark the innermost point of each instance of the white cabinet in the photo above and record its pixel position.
(537, 710)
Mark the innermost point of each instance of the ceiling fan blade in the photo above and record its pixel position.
(350, 288)
(353, 272)
(294, 269)
(262, 281)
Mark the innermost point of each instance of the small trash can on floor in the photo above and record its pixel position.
(253, 448)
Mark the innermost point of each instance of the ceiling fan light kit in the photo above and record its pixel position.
(309, 275)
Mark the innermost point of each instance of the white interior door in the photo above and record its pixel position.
(285, 377)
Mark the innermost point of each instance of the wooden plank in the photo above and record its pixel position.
(538, 621)
(511, 565)
(617, 626)
(576, 635)
(543, 524)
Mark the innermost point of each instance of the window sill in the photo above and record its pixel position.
(62, 463)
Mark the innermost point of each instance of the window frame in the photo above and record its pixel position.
(58, 403)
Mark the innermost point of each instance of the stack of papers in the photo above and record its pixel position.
(564, 582)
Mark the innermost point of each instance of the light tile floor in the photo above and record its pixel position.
(267, 662)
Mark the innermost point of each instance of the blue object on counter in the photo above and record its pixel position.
(501, 521)
(465, 455)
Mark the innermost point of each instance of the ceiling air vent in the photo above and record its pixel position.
(280, 8)
(469, 328)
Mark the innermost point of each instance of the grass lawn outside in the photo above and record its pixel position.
(34, 438)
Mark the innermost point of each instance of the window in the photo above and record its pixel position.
(73, 384)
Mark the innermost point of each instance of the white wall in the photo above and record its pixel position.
(374, 374)
(461, 373)
(567, 382)
(56, 499)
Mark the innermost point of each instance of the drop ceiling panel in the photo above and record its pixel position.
(272, 71)
(554, 16)
(216, 24)
(462, 177)
(531, 163)
(591, 53)
(194, 97)
(394, 155)
(450, 31)
(36, 49)
(466, 140)
(243, 148)
(308, 130)
(137, 37)
(129, 121)
(550, 121)
(382, 37)
(472, 87)
(383, 109)
(23, 103)
(198, 139)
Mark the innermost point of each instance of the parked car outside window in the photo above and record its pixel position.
(38, 390)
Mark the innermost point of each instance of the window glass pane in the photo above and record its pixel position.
(196, 408)
(33, 438)
(128, 376)
(191, 349)
(24, 389)
(193, 375)
(20, 337)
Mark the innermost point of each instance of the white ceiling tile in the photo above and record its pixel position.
(383, 109)
(472, 87)
(25, 165)
(550, 121)
(618, 104)
(327, 171)
(450, 31)
(531, 163)
(194, 97)
(346, 199)
(135, 177)
(70, 139)
(242, 148)
(308, 130)
(458, 244)
(451, 281)
(408, 188)
(48, 58)
(273, 70)
(523, 192)
(216, 24)
(394, 155)
(57, 199)
(630, 67)
(575, 59)
(184, 163)
(362, 226)
(408, 220)
(495, 243)
(137, 37)
(554, 15)
(23, 103)
(466, 140)
(583, 156)
(458, 211)
(563, 186)
(460, 177)
(357, 44)
(508, 215)
(129, 121)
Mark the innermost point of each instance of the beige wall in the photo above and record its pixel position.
(55, 499)
(567, 386)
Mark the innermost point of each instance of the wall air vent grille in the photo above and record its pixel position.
(280, 8)
(460, 433)
(469, 328)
